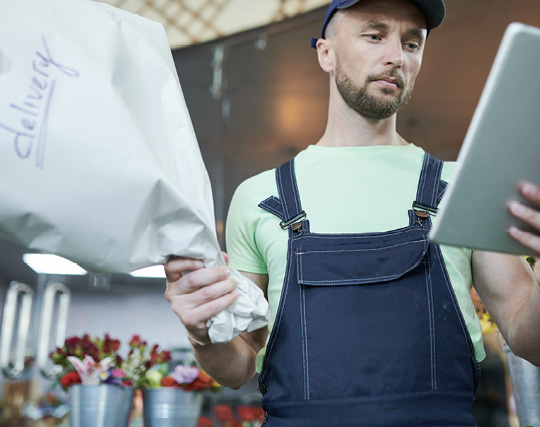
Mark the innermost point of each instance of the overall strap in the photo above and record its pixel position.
(288, 206)
(430, 186)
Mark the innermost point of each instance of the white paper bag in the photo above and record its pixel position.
(98, 156)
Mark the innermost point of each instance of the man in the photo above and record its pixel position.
(371, 324)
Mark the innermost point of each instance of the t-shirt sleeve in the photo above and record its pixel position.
(448, 171)
(240, 231)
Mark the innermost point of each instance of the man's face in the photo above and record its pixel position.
(378, 54)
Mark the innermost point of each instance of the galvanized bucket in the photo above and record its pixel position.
(525, 379)
(99, 405)
(171, 407)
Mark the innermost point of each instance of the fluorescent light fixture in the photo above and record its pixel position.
(156, 272)
(52, 264)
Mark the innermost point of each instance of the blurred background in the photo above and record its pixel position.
(257, 97)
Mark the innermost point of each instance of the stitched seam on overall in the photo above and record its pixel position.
(386, 397)
(435, 187)
(363, 250)
(307, 351)
(464, 328)
(268, 199)
(302, 330)
(303, 326)
(413, 219)
(356, 280)
(271, 209)
(351, 281)
(423, 176)
(279, 314)
(361, 236)
(282, 194)
(294, 187)
(429, 294)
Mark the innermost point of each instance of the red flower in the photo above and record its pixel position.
(110, 346)
(69, 379)
(250, 413)
(259, 413)
(202, 382)
(169, 382)
(245, 413)
(73, 342)
(205, 422)
(223, 412)
(135, 340)
(127, 383)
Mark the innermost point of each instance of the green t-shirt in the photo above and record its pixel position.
(342, 190)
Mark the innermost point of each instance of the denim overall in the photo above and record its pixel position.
(368, 331)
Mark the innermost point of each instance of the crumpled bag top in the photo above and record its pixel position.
(248, 313)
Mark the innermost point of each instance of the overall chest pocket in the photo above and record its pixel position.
(353, 264)
(365, 318)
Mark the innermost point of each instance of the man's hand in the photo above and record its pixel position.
(196, 294)
(508, 287)
(529, 215)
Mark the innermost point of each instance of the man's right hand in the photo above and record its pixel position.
(196, 294)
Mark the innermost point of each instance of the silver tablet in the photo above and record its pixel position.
(501, 148)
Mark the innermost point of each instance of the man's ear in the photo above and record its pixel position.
(325, 54)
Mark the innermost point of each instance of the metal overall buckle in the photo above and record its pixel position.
(423, 212)
(295, 223)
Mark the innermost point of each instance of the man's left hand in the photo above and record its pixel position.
(530, 215)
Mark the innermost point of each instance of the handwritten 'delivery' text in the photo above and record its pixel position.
(27, 131)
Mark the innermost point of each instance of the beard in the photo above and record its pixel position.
(367, 105)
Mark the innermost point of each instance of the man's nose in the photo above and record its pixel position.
(394, 53)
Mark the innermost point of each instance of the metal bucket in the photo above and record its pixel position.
(171, 407)
(99, 405)
(525, 378)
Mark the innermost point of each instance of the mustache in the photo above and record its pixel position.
(398, 80)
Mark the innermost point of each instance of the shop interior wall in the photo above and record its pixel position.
(272, 104)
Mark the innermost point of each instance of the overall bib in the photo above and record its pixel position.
(368, 331)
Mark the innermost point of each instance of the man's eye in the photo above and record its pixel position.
(412, 46)
(373, 37)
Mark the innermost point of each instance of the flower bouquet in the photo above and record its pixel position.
(186, 377)
(91, 360)
(175, 396)
(100, 381)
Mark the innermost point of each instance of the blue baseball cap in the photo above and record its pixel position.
(433, 10)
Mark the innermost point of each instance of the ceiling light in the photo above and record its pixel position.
(156, 271)
(52, 264)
